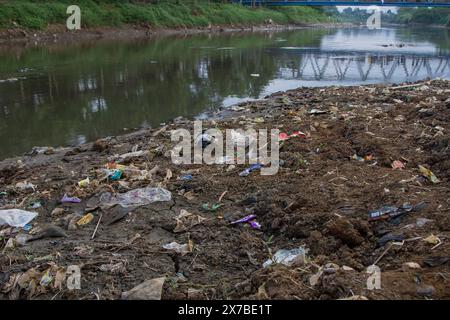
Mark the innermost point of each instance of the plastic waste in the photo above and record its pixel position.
(186, 177)
(287, 257)
(212, 208)
(390, 212)
(113, 267)
(179, 248)
(250, 219)
(412, 265)
(41, 150)
(187, 220)
(244, 219)
(84, 183)
(390, 237)
(114, 175)
(36, 205)
(132, 173)
(398, 165)
(67, 199)
(250, 169)
(204, 140)
(148, 290)
(46, 279)
(85, 219)
(113, 165)
(25, 186)
(134, 154)
(428, 174)
(16, 217)
(284, 136)
(317, 111)
(367, 157)
(420, 222)
(136, 197)
(432, 239)
(254, 224)
(236, 108)
(357, 158)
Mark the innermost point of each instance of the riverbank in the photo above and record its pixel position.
(361, 150)
(30, 19)
(59, 34)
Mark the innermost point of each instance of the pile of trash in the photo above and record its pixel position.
(358, 209)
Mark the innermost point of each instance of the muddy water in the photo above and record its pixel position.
(66, 95)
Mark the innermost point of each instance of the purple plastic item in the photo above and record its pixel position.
(254, 224)
(67, 199)
(245, 219)
(250, 220)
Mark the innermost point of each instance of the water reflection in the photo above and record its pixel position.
(307, 65)
(63, 95)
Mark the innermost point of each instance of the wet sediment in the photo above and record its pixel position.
(362, 149)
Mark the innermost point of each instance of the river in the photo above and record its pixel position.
(60, 95)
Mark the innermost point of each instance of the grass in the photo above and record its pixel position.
(38, 14)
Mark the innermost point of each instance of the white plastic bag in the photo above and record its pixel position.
(287, 257)
(16, 217)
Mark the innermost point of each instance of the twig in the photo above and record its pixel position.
(23, 201)
(96, 227)
(411, 85)
(440, 242)
(53, 298)
(193, 260)
(382, 255)
(222, 195)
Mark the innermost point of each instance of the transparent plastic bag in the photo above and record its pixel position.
(16, 217)
(287, 257)
(136, 197)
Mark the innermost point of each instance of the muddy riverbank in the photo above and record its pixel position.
(361, 150)
(60, 34)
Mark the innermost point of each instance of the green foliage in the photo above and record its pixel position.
(423, 15)
(305, 15)
(436, 16)
(357, 15)
(37, 14)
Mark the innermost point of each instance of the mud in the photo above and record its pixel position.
(60, 34)
(319, 200)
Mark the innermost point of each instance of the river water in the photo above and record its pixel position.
(59, 95)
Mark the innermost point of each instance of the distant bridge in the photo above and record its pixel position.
(384, 3)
